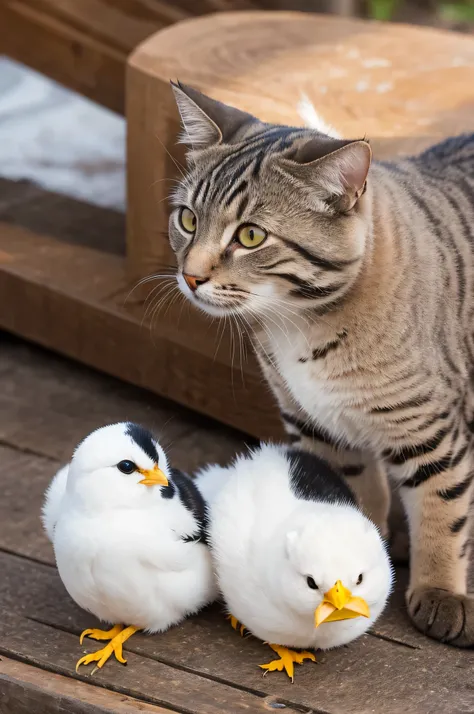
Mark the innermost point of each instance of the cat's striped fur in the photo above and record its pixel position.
(360, 303)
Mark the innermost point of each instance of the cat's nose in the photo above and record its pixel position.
(193, 282)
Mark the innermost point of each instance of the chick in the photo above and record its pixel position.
(129, 537)
(297, 562)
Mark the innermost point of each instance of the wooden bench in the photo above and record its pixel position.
(404, 87)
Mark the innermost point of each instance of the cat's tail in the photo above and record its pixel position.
(313, 120)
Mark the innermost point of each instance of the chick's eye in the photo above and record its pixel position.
(127, 467)
(250, 236)
(360, 579)
(187, 220)
(311, 583)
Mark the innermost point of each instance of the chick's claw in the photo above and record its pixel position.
(101, 634)
(233, 621)
(235, 625)
(114, 647)
(286, 661)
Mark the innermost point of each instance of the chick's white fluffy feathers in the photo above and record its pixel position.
(127, 552)
(266, 541)
(53, 500)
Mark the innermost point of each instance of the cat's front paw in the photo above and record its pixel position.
(443, 615)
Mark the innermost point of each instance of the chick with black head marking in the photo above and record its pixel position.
(297, 562)
(129, 537)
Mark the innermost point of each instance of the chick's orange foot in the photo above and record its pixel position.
(287, 660)
(119, 634)
(235, 625)
(95, 634)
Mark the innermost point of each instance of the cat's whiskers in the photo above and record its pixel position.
(242, 353)
(180, 182)
(154, 296)
(270, 314)
(232, 342)
(268, 357)
(176, 292)
(180, 167)
(148, 279)
(167, 290)
(220, 333)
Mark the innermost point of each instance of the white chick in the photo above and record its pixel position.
(129, 537)
(297, 562)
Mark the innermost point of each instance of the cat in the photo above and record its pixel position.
(355, 281)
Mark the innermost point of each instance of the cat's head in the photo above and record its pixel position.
(269, 218)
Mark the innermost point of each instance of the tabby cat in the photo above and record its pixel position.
(355, 279)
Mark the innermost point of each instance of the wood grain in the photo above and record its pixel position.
(394, 672)
(25, 690)
(403, 87)
(145, 679)
(64, 414)
(380, 79)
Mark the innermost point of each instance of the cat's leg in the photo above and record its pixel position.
(366, 476)
(436, 491)
(372, 489)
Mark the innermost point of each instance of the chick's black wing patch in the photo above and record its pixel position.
(144, 440)
(313, 479)
(192, 499)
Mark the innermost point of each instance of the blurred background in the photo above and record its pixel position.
(450, 15)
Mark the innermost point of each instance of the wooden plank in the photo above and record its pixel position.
(143, 678)
(65, 54)
(24, 479)
(84, 44)
(121, 24)
(64, 413)
(58, 216)
(372, 674)
(403, 87)
(13, 193)
(25, 689)
(71, 299)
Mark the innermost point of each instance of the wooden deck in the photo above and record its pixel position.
(64, 285)
(47, 405)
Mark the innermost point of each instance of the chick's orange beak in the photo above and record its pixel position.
(339, 604)
(153, 477)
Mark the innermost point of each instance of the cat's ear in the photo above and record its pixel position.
(336, 169)
(206, 121)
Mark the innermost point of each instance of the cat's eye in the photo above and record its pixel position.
(126, 467)
(187, 220)
(360, 579)
(250, 236)
(311, 583)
